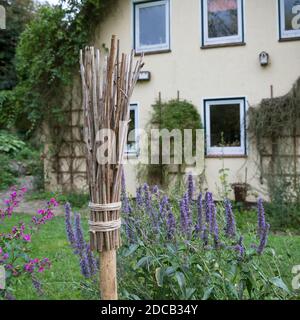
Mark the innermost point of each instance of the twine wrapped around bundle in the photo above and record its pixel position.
(106, 97)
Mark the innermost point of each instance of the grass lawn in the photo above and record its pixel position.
(63, 281)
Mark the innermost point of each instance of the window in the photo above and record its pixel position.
(225, 126)
(289, 19)
(132, 138)
(151, 26)
(222, 22)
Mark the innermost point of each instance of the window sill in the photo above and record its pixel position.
(146, 53)
(223, 45)
(131, 155)
(230, 156)
(289, 39)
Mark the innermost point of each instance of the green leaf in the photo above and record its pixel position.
(207, 293)
(143, 261)
(181, 281)
(131, 250)
(278, 282)
(159, 276)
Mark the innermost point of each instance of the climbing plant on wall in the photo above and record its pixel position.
(275, 127)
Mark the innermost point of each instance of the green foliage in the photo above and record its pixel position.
(46, 60)
(14, 153)
(18, 14)
(9, 143)
(7, 174)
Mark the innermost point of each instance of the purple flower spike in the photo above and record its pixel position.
(69, 229)
(184, 214)
(263, 239)
(230, 229)
(208, 200)
(139, 197)
(261, 220)
(190, 187)
(171, 225)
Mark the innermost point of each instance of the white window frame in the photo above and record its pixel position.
(136, 26)
(239, 38)
(285, 34)
(134, 151)
(234, 151)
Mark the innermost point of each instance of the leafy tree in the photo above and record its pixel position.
(18, 14)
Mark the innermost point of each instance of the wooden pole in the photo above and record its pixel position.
(108, 275)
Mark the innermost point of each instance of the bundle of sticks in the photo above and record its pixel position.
(107, 85)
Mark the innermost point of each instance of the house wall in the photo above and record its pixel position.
(210, 73)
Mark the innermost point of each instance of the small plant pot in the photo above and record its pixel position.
(240, 191)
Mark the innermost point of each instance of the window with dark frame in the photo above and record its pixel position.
(222, 22)
(289, 19)
(225, 126)
(151, 26)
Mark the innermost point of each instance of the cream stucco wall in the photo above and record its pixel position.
(210, 73)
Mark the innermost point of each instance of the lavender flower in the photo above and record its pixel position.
(155, 190)
(230, 229)
(199, 225)
(69, 229)
(190, 188)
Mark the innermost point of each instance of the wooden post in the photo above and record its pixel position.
(108, 275)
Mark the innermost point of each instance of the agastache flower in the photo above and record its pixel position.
(190, 188)
(230, 229)
(261, 221)
(185, 215)
(263, 239)
(68, 222)
(171, 225)
(81, 248)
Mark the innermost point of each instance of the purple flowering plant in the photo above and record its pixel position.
(15, 243)
(190, 247)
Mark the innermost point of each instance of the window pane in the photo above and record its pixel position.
(222, 18)
(292, 14)
(152, 23)
(131, 135)
(225, 125)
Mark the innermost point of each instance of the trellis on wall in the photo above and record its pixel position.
(275, 127)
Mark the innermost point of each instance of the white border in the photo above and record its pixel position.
(285, 34)
(135, 26)
(234, 151)
(134, 151)
(222, 40)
